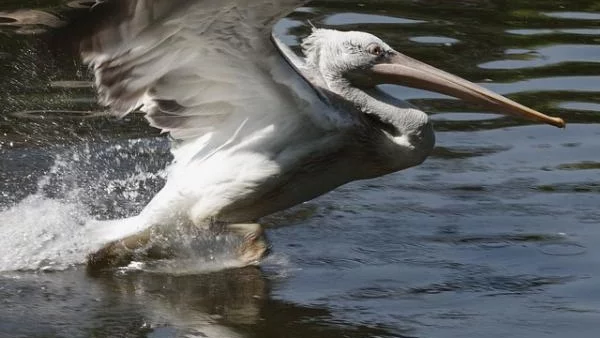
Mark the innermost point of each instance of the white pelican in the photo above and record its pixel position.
(257, 128)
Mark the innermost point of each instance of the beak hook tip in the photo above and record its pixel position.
(559, 122)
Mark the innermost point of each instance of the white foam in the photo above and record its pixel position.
(42, 233)
(52, 229)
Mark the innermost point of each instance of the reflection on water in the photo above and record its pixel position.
(495, 235)
(226, 304)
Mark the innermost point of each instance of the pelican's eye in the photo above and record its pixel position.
(375, 49)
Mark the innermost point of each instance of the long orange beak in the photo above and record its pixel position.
(403, 70)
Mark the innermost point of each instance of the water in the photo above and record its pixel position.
(494, 235)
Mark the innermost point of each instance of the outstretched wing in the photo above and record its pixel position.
(192, 65)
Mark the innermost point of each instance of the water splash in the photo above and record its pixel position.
(49, 229)
(65, 218)
(42, 233)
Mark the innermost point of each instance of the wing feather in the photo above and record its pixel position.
(191, 66)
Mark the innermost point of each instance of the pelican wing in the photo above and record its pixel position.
(191, 66)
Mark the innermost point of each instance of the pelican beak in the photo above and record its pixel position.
(403, 70)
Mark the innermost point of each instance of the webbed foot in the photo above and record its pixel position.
(254, 245)
(122, 252)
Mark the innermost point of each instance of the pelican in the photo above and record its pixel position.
(256, 128)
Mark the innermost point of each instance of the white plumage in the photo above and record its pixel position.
(258, 129)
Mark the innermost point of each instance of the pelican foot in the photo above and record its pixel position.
(122, 252)
(152, 244)
(254, 245)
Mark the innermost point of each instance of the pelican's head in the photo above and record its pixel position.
(358, 60)
(338, 55)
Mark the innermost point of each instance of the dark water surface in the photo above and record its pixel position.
(495, 235)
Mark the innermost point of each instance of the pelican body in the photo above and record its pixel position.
(257, 128)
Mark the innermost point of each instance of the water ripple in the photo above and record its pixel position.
(25, 20)
(574, 15)
(496, 238)
(554, 83)
(587, 106)
(493, 285)
(548, 56)
(562, 249)
(489, 284)
(59, 114)
(434, 40)
(547, 31)
(340, 19)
